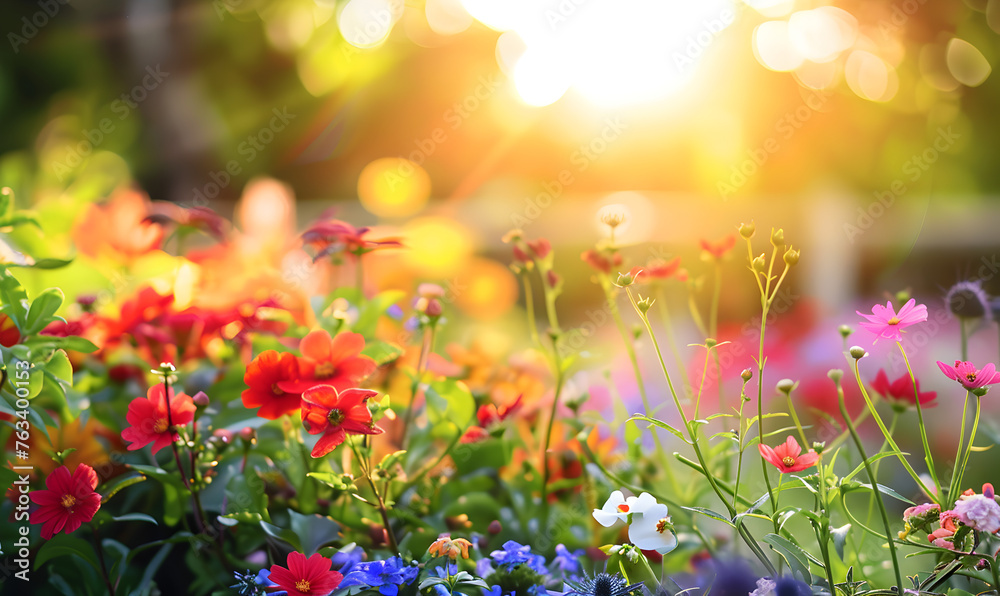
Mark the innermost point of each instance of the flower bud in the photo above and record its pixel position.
(791, 256)
(520, 255)
(552, 278)
(903, 296)
(857, 352)
(644, 304)
(746, 375)
(200, 399)
(759, 264)
(845, 331)
(747, 230)
(778, 238)
(225, 435)
(433, 308)
(624, 280)
(495, 527)
(835, 374)
(786, 386)
(248, 434)
(710, 343)
(819, 446)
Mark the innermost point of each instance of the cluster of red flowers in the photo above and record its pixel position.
(321, 382)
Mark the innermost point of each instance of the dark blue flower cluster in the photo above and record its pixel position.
(385, 575)
(514, 554)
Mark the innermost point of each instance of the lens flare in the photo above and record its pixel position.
(393, 187)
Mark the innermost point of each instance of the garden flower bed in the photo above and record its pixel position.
(325, 443)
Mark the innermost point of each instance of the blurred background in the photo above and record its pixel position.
(866, 129)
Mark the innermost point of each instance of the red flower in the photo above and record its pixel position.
(68, 502)
(9, 335)
(333, 361)
(336, 413)
(656, 270)
(540, 247)
(601, 262)
(474, 434)
(264, 377)
(335, 236)
(489, 414)
(901, 390)
(719, 249)
(306, 577)
(149, 420)
(786, 457)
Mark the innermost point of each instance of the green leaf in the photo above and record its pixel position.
(660, 424)
(839, 538)
(137, 517)
(792, 554)
(14, 299)
(73, 343)
(885, 490)
(64, 544)
(282, 534)
(335, 480)
(382, 352)
(51, 263)
(373, 310)
(246, 493)
(111, 487)
(314, 531)
(870, 460)
(42, 310)
(60, 367)
(449, 400)
(712, 514)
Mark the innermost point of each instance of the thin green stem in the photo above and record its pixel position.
(795, 420)
(958, 454)
(529, 309)
(888, 436)
(928, 457)
(872, 478)
(672, 339)
(968, 451)
(383, 511)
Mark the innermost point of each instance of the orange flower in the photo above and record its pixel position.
(445, 546)
(719, 249)
(335, 414)
(118, 226)
(333, 361)
(656, 270)
(600, 261)
(264, 377)
(150, 420)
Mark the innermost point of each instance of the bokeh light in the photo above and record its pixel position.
(393, 187)
(485, 289)
(966, 63)
(436, 247)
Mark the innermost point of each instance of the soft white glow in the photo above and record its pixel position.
(773, 48)
(447, 17)
(614, 52)
(367, 23)
(821, 34)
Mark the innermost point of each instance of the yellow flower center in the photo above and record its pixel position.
(302, 585)
(894, 321)
(68, 501)
(971, 377)
(336, 416)
(788, 461)
(324, 370)
(160, 426)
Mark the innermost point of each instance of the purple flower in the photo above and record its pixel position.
(385, 575)
(980, 512)
(567, 561)
(514, 554)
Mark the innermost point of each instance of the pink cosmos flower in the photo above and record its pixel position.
(979, 512)
(788, 456)
(886, 323)
(967, 375)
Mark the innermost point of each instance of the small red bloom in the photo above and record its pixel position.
(656, 270)
(333, 361)
(489, 414)
(149, 419)
(788, 456)
(719, 249)
(306, 577)
(540, 247)
(967, 375)
(474, 434)
(264, 377)
(602, 262)
(901, 390)
(334, 237)
(335, 414)
(9, 335)
(68, 501)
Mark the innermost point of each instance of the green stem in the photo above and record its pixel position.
(426, 347)
(872, 478)
(390, 535)
(529, 309)
(672, 340)
(960, 472)
(713, 329)
(955, 481)
(920, 422)
(888, 437)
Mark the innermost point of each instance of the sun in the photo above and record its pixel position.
(613, 52)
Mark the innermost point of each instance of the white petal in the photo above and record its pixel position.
(643, 534)
(643, 503)
(616, 499)
(608, 519)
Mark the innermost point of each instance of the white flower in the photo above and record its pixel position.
(652, 530)
(617, 508)
(979, 512)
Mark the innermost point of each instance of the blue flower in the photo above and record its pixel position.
(344, 561)
(567, 561)
(514, 554)
(484, 567)
(493, 591)
(440, 571)
(385, 575)
(250, 584)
